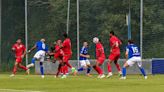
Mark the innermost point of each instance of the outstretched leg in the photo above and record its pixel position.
(32, 63)
(22, 67)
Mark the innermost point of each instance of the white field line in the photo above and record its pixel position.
(14, 90)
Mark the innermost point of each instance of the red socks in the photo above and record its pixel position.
(14, 69)
(109, 67)
(118, 67)
(23, 67)
(68, 65)
(64, 69)
(98, 69)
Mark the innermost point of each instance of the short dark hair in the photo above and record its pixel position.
(112, 32)
(85, 40)
(65, 35)
(130, 41)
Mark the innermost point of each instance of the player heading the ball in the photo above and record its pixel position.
(100, 57)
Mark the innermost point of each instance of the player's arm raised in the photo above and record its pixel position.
(32, 48)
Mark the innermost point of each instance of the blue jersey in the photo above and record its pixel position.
(84, 51)
(133, 50)
(41, 46)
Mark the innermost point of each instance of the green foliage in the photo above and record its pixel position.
(47, 18)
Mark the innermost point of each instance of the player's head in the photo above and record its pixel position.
(85, 44)
(43, 40)
(95, 40)
(58, 42)
(130, 41)
(65, 35)
(19, 41)
(111, 33)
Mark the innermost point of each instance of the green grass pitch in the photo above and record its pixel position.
(34, 83)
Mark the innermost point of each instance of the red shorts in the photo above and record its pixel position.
(114, 57)
(18, 59)
(66, 58)
(100, 60)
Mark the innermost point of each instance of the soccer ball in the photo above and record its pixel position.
(95, 40)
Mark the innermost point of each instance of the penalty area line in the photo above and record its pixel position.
(14, 90)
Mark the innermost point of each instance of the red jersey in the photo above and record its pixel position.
(67, 46)
(99, 50)
(114, 40)
(19, 49)
(58, 50)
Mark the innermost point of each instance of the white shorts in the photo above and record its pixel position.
(134, 60)
(40, 55)
(84, 63)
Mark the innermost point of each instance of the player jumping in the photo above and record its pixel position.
(100, 57)
(20, 52)
(84, 62)
(42, 49)
(114, 54)
(133, 56)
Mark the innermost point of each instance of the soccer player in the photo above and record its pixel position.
(20, 52)
(42, 49)
(58, 55)
(114, 54)
(84, 62)
(133, 56)
(100, 57)
(66, 47)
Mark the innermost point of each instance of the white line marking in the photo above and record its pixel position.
(14, 90)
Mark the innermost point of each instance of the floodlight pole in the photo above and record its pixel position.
(129, 21)
(68, 13)
(26, 32)
(141, 26)
(78, 32)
